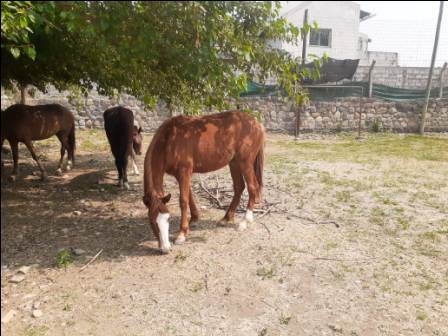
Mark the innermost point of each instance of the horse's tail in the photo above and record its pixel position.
(258, 167)
(72, 143)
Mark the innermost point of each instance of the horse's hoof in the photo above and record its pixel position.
(242, 226)
(165, 250)
(225, 222)
(126, 186)
(44, 177)
(59, 172)
(180, 240)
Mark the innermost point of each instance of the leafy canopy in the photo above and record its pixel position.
(187, 53)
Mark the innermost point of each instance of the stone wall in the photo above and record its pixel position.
(278, 115)
(343, 115)
(401, 77)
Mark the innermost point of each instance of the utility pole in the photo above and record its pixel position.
(431, 70)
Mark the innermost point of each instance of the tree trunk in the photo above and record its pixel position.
(23, 94)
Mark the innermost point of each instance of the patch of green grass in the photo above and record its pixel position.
(404, 222)
(67, 307)
(421, 315)
(331, 245)
(197, 287)
(374, 147)
(64, 258)
(36, 331)
(284, 319)
(377, 216)
(431, 235)
(180, 257)
(266, 273)
(343, 196)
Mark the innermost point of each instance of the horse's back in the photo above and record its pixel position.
(209, 142)
(26, 122)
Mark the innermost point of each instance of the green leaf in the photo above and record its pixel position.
(15, 52)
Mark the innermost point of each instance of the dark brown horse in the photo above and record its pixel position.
(23, 123)
(186, 145)
(125, 140)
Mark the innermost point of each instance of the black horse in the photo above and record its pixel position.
(125, 140)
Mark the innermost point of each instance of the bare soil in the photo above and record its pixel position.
(352, 239)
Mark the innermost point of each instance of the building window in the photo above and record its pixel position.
(320, 37)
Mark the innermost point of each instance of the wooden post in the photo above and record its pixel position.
(304, 45)
(431, 69)
(442, 74)
(371, 78)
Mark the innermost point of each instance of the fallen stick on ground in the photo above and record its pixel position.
(91, 260)
(316, 222)
(209, 193)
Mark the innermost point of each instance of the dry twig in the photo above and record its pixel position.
(91, 260)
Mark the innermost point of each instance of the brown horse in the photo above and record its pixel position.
(23, 123)
(186, 145)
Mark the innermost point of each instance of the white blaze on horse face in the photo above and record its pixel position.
(164, 226)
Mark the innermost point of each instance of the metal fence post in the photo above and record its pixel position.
(371, 78)
(442, 74)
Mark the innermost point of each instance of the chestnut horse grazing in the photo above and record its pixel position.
(23, 123)
(125, 140)
(186, 145)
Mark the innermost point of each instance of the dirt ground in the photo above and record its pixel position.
(355, 242)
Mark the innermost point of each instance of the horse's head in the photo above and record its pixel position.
(158, 218)
(137, 140)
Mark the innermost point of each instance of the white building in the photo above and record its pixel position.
(339, 31)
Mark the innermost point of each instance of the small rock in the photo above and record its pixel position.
(37, 313)
(29, 296)
(17, 278)
(36, 305)
(9, 316)
(24, 269)
(78, 251)
(335, 328)
(77, 213)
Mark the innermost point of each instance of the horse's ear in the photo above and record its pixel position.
(166, 198)
(139, 129)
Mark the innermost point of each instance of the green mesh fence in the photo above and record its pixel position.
(348, 89)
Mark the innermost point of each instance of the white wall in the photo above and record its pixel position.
(342, 17)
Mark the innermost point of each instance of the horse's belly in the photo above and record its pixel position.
(210, 161)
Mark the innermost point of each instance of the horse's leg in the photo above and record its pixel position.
(118, 164)
(134, 165)
(238, 188)
(252, 186)
(124, 168)
(3, 140)
(15, 156)
(64, 141)
(30, 147)
(184, 186)
(194, 213)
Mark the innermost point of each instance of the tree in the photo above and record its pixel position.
(187, 53)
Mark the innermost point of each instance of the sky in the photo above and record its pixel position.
(406, 27)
